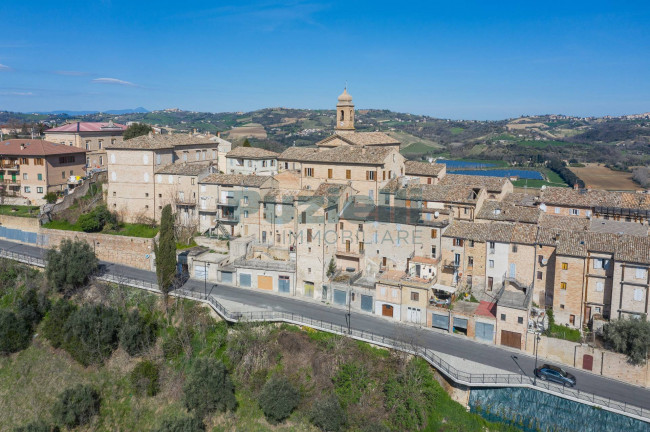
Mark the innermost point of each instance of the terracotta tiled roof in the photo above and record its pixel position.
(330, 189)
(501, 232)
(88, 127)
(35, 148)
(155, 142)
(236, 180)
(251, 153)
(190, 169)
(467, 230)
(563, 222)
(342, 155)
(588, 198)
(507, 211)
(491, 184)
(423, 168)
(486, 309)
(362, 138)
(297, 153)
(449, 193)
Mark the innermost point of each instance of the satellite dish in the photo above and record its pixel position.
(544, 261)
(436, 214)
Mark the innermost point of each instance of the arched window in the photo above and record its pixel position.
(350, 114)
(342, 115)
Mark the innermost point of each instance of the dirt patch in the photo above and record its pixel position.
(251, 130)
(600, 177)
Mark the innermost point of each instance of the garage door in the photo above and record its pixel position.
(485, 331)
(245, 280)
(199, 272)
(226, 277)
(265, 282)
(440, 321)
(284, 286)
(309, 289)
(511, 339)
(460, 323)
(366, 303)
(339, 297)
(386, 310)
(413, 314)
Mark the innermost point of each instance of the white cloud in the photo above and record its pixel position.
(113, 81)
(14, 93)
(4, 67)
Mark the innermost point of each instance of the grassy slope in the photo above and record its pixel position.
(16, 210)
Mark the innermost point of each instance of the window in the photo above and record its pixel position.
(563, 286)
(557, 210)
(415, 296)
(197, 155)
(458, 242)
(87, 145)
(25, 176)
(565, 266)
(470, 262)
(490, 283)
(394, 293)
(561, 306)
(433, 251)
(245, 199)
(491, 263)
(101, 160)
(491, 245)
(329, 173)
(575, 212)
(598, 263)
(39, 189)
(539, 275)
(245, 213)
(27, 189)
(520, 320)
(572, 319)
(184, 156)
(309, 172)
(370, 175)
(309, 235)
(25, 161)
(101, 142)
(434, 233)
(600, 286)
(348, 174)
(360, 228)
(638, 294)
(514, 248)
(361, 247)
(114, 193)
(63, 174)
(639, 273)
(39, 161)
(503, 317)
(471, 243)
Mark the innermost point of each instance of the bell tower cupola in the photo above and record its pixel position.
(345, 112)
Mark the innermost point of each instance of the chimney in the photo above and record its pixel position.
(22, 146)
(575, 186)
(77, 126)
(218, 134)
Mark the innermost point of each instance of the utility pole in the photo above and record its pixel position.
(537, 339)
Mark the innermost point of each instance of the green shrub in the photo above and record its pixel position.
(50, 197)
(144, 378)
(38, 426)
(136, 333)
(278, 399)
(54, 323)
(15, 333)
(91, 334)
(89, 223)
(188, 424)
(76, 406)
(32, 306)
(69, 267)
(328, 414)
(629, 336)
(208, 388)
(350, 382)
(410, 396)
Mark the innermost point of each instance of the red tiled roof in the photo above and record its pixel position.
(88, 127)
(486, 309)
(35, 148)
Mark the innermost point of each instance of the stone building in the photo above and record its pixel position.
(251, 160)
(93, 137)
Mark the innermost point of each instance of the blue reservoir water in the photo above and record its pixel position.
(454, 164)
(523, 174)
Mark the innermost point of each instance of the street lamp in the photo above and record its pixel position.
(537, 339)
(348, 317)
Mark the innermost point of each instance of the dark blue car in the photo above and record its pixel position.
(556, 374)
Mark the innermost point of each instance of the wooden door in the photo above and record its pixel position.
(387, 310)
(587, 362)
(511, 339)
(265, 282)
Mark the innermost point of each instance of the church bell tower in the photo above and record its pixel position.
(345, 112)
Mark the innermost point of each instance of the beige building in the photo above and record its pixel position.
(32, 168)
(251, 160)
(93, 137)
(132, 167)
(178, 184)
(428, 173)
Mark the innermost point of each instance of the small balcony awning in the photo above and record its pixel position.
(446, 288)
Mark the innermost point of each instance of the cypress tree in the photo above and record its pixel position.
(165, 250)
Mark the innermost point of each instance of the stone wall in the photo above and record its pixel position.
(21, 223)
(131, 251)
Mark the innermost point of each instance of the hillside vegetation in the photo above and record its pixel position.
(107, 357)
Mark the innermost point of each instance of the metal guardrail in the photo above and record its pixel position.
(461, 377)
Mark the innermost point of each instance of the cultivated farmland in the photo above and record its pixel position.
(600, 177)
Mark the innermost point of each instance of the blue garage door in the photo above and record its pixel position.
(366, 303)
(440, 321)
(485, 331)
(339, 297)
(283, 284)
(226, 277)
(460, 323)
(245, 280)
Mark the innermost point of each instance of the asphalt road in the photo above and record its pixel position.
(513, 361)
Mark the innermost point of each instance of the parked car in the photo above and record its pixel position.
(554, 373)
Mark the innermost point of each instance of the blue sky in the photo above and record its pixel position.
(452, 59)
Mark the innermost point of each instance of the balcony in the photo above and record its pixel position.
(228, 218)
(9, 166)
(10, 181)
(187, 202)
(451, 264)
(227, 202)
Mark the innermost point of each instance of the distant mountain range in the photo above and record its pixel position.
(81, 113)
